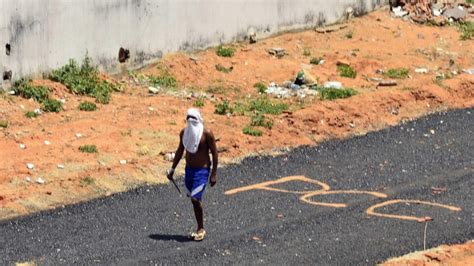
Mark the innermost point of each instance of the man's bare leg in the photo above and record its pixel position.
(198, 212)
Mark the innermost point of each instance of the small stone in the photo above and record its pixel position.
(343, 63)
(169, 156)
(28, 179)
(30, 166)
(421, 71)
(153, 90)
(38, 111)
(123, 162)
(40, 180)
(78, 135)
(11, 92)
(455, 13)
(63, 100)
(333, 85)
(151, 108)
(469, 71)
(387, 83)
(432, 132)
(255, 238)
(22, 106)
(22, 146)
(60, 166)
(47, 142)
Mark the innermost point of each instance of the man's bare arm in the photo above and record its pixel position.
(211, 142)
(178, 155)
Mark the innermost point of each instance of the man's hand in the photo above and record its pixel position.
(170, 174)
(213, 180)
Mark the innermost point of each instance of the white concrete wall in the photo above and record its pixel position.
(44, 34)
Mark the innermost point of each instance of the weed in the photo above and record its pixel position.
(88, 149)
(346, 71)
(225, 51)
(87, 106)
(260, 86)
(467, 30)
(397, 73)
(349, 35)
(87, 181)
(248, 130)
(332, 94)
(31, 114)
(265, 106)
(144, 150)
(3, 123)
(259, 120)
(223, 108)
(315, 60)
(165, 79)
(52, 106)
(216, 89)
(83, 80)
(199, 102)
(24, 89)
(223, 69)
(306, 52)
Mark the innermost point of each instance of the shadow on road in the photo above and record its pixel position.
(178, 238)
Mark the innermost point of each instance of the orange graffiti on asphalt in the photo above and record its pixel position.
(371, 210)
(306, 196)
(266, 185)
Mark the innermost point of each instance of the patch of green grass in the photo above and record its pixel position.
(84, 80)
(87, 106)
(259, 120)
(397, 73)
(164, 79)
(87, 181)
(24, 89)
(3, 123)
(52, 106)
(266, 106)
(199, 102)
(31, 114)
(260, 86)
(225, 51)
(467, 30)
(223, 69)
(223, 108)
(332, 94)
(88, 149)
(306, 51)
(349, 35)
(346, 71)
(249, 130)
(315, 60)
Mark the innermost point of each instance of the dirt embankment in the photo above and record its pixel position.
(455, 255)
(140, 128)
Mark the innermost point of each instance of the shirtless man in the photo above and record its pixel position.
(198, 142)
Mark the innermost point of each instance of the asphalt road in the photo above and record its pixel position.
(149, 225)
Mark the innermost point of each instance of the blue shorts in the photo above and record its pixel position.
(196, 180)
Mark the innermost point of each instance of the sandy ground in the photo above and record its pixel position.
(444, 255)
(140, 128)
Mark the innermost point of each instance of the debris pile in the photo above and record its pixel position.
(432, 11)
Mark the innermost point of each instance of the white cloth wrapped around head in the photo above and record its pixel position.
(193, 132)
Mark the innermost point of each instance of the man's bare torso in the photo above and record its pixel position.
(201, 158)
